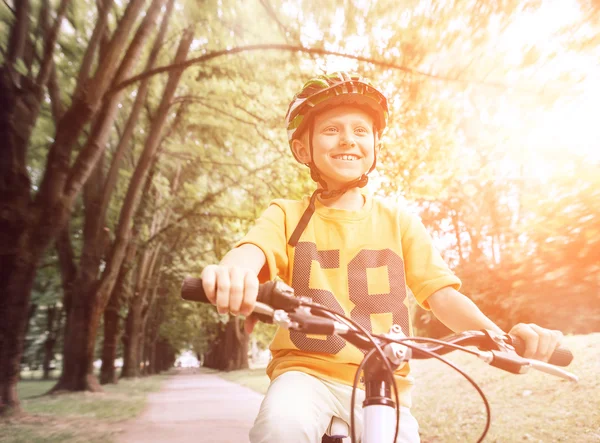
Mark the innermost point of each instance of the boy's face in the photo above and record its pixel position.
(343, 145)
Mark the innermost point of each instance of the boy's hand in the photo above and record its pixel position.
(231, 289)
(540, 343)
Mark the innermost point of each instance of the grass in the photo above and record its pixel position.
(255, 379)
(533, 407)
(76, 417)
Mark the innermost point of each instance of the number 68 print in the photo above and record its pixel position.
(365, 304)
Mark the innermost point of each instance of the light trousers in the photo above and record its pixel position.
(298, 409)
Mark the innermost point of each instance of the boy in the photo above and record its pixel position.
(346, 250)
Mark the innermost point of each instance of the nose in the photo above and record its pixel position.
(347, 140)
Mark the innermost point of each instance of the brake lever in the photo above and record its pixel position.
(263, 312)
(512, 362)
(553, 370)
(303, 320)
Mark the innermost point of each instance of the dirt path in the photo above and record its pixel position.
(195, 408)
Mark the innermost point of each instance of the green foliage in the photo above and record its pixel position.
(462, 147)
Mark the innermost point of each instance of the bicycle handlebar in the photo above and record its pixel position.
(276, 303)
(277, 295)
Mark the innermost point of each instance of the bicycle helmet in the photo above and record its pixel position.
(317, 95)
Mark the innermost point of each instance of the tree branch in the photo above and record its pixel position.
(248, 48)
(131, 202)
(206, 200)
(90, 52)
(310, 51)
(257, 117)
(190, 99)
(50, 42)
(53, 191)
(101, 128)
(19, 32)
(9, 7)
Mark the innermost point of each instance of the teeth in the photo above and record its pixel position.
(345, 157)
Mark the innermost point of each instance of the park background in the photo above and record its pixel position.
(140, 139)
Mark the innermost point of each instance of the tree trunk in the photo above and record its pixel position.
(111, 180)
(132, 198)
(125, 342)
(146, 358)
(133, 320)
(17, 266)
(131, 358)
(28, 227)
(13, 321)
(144, 333)
(151, 276)
(151, 358)
(77, 372)
(28, 343)
(165, 355)
(111, 337)
(131, 204)
(112, 329)
(230, 350)
(52, 330)
(79, 343)
(156, 317)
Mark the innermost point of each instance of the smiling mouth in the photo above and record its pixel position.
(346, 157)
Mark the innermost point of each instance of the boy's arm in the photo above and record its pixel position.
(245, 256)
(232, 285)
(459, 313)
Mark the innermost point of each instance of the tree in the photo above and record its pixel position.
(35, 221)
(58, 117)
(84, 316)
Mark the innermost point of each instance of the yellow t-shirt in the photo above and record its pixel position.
(356, 262)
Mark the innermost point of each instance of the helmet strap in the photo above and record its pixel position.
(303, 223)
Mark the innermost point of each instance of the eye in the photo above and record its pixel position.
(330, 129)
(361, 130)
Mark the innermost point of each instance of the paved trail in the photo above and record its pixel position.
(195, 408)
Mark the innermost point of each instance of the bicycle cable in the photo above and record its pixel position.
(431, 340)
(403, 341)
(376, 347)
(353, 397)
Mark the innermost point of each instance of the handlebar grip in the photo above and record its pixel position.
(560, 357)
(192, 290)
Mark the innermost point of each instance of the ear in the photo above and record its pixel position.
(378, 145)
(301, 151)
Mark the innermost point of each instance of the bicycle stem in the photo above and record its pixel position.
(379, 407)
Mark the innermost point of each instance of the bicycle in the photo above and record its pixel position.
(276, 303)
